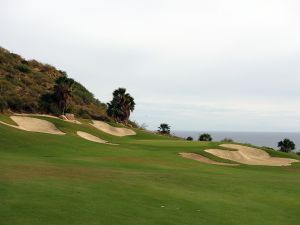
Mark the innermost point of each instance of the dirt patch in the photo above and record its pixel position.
(250, 156)
(34, 125)
(116, 131)
(203, 159)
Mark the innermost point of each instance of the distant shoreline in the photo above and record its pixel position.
(268, 139)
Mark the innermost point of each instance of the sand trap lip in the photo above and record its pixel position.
(203, 159)
(250, 156)
(46, 115)
(35, 114)
(34, 125)
(92, 138)
(116, 131)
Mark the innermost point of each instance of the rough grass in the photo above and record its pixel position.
(65, 180)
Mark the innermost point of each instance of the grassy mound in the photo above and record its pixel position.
(65, 180)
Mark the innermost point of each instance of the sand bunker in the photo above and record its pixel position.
(203, 159)
(91, 137)
(34, 125)
(250, 156)
(116, 131)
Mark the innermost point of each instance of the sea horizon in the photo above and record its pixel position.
(258, 138)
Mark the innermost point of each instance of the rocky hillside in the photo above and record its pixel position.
(24, 82)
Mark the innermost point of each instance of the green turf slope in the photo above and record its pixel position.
(65, 180)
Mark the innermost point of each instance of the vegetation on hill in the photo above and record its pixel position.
(27, 86)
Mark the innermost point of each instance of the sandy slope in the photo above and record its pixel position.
(203, 159)
(91, 137)
(34, 125)
(250, 156)
(116, 131)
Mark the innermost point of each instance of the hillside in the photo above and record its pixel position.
(24, 82)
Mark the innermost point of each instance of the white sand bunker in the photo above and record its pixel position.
(116, 131)
(91, 137)
(250, 156)
(203, 159)
(34, 125)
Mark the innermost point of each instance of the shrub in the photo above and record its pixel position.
(189, 138)
(286, 145)
(23, 68)
(205, 137)
(164, 128)
(83, 113)
(3, 105)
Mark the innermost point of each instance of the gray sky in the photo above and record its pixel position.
(197, 65)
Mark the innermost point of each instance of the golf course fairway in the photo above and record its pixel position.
(48, 179)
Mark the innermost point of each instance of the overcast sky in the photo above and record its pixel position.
(198, 65)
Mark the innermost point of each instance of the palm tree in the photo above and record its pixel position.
(121, 106)
(286, 145)
(205, 137)
(164, 128)
(114, 111)
(63, 92)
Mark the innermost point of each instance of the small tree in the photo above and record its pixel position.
(286, 145)
(164, 128)
(189, 138)
(205, 137)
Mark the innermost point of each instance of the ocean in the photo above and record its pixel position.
(268, 139)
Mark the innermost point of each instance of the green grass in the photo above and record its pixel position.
(65, 180)
(7, 119)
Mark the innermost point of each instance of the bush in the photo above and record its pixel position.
(286, 145)
(228, 140)
(15, 103)
(164, 128)
(3, 105)
(23, 68)
(189, 138)
(205, 137)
